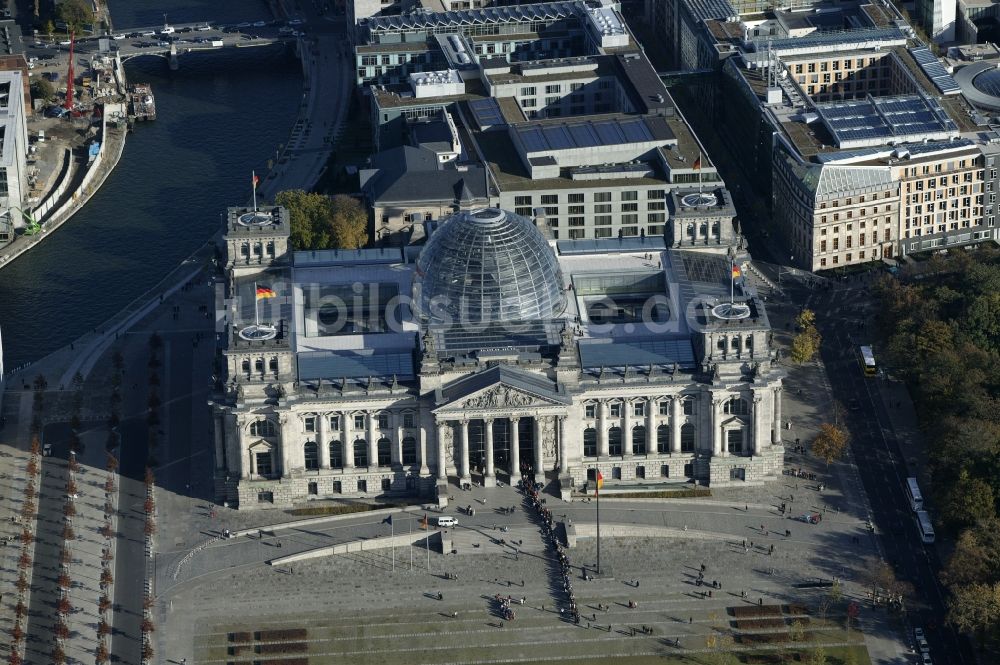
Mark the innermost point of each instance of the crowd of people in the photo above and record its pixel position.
(553, 545)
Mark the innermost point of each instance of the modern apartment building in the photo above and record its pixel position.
(13, 154)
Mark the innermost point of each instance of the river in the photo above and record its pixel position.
(219, 117)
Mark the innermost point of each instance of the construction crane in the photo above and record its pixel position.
(69, 75)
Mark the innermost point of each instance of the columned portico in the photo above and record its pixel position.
(489, 473)
(539, 466)
(442, 462)
(776, 422)
(675, 425)
(463, 453)
(515, 451)
(323, 440)
(718, 449)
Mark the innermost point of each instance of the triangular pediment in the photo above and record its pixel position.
(501, 388)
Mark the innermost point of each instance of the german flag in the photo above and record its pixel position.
(600, 483)
(736, 271)
(265, 292)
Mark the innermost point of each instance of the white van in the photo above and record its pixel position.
(168, 30)
(447, 521)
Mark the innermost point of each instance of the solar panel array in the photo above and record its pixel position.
(486, 112)
(885, 117)
(881, 152)
(637, 353)
(935, 71)
(544, 137)
(485, 16)
(332, 365)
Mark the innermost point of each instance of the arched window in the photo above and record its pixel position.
(409, 450)
(687, 438)
(590, 442)
(722, 344)
(734, 344)
(748, 345)
(336, 455)
(246, 366)
(737, 407)
(384, 452)
(311, 453)
(639, 440)
(663, 439)
(262, 428)
(258, 365)
(615, 441)
(360, 452)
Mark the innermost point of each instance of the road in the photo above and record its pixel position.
(842, 315)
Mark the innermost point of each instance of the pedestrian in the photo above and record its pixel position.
(501, 624)
(746, 508)
(690, 620)
(760, 601)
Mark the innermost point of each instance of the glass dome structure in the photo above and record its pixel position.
(488, 265)
(988, 82)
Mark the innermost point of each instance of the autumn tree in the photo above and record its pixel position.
(805, 344)
(831, 443)
(321, 222)
(101, 653)
(975, 608)
(969, 500)
(75, 13)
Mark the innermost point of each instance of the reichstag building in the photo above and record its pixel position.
(492, 353)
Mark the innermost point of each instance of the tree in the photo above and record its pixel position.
(982, 321)
(103, 628)
(319, 222)
(42, 89)
(818, 656)
(146, 626)
(976, 557)
(969, 501)
(830, 443)
(104, 604)
(75, 13)
(101, 654)
(805, 320)
(975, 608)
(350, 223)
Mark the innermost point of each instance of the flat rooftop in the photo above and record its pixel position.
(401, 95)
(878, 120)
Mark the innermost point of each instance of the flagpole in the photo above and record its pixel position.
(392, 536)
(253, 181)
(256, 312)
(699, 172)
(410, 540)
(732, 282)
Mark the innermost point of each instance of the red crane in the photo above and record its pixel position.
(69, 75)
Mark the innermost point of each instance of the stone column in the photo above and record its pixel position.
(442, 463)
(218, 437)
(756, 415)
(288, 458)
(347, 441)
(489, 473)
(652, 445)
(718, 445)
(563, 447)
(776, 425)
(675, 424)
(602, 430)
(463, 470)
(626, 429)
(422, 452)
(372, 439)
(323, 440)
(539, 451)
(397, 444)
(515, 452)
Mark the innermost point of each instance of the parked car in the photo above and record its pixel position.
(147, 33)
(203, 28)
(185, 30)
(119, 37)
(259, 24)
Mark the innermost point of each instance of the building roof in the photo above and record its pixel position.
(608, 352)
(518, 379)
(474, 17)
(878, 120)
(407, 174)
(334, 365)
(576, 133)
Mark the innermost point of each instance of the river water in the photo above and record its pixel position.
(219, 117)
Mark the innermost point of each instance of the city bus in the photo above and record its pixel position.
(868, 361)
(925, 527)
(914, 495)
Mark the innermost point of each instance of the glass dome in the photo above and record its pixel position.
(488, 265)
(988, 82)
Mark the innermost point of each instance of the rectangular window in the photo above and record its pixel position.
(602, 208)
(576, 198)
(615, 410)
(630, 196)
(639, 409)
(576, 221)
(383, 421)
(522, 200)
(630, 207)
(310, 423)
(263, 464)
(335, 423)
(664, 408)
(359, 422)
(602, 197)
(550, 199)
(575, 210)
(553, 89)
(688, 405)
(407, 420)
(528, 92)
(590, 410)
(577, 234)
(602, 220)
